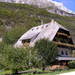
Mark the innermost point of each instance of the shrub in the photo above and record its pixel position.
(47, 50)
(2, 31)
(72, 64)
(14, 34)
(18, 58)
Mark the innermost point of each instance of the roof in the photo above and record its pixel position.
(48, 30)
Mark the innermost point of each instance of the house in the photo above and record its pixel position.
(54, 32)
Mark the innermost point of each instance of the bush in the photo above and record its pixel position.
(47, 50)
(18, 58)
(72, 64)
(14, 34)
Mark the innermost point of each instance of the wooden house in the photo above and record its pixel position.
(54, 32)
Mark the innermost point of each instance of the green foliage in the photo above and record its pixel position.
(43, 53)
(71, 64)
(18, 58)
(1, 23)
(14, 34)
(47, 50)
(2, 31)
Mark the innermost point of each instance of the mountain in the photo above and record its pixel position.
(16, 19)
(49, 5)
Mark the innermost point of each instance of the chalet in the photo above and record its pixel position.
(54, 32)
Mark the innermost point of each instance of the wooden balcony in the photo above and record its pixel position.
(63, 34)
(64, 44)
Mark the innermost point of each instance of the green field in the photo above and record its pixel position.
(48, 73)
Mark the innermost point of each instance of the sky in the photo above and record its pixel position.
(68, 3)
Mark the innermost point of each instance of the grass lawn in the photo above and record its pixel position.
(49, 73)
(5, 72)
(53, 73)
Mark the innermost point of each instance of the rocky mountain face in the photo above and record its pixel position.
(50, 5)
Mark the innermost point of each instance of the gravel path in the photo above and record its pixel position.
(69, 73)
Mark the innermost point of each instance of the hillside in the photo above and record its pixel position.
(22, 17)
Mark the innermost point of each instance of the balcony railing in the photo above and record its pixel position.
(59, 33)
(64, 44)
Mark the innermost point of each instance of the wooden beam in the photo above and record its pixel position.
(59, 33)
(64, 44)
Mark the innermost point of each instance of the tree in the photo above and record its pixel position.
(18, 58)
(48, 50)
(15, 33)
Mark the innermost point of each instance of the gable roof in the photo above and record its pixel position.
(48, 30)
(33, 31)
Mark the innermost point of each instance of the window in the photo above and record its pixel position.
(62, 52)
(61, 12)
(66, 53)
(27, 40)
(32, 29)
(46, 26)
(37, 28)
